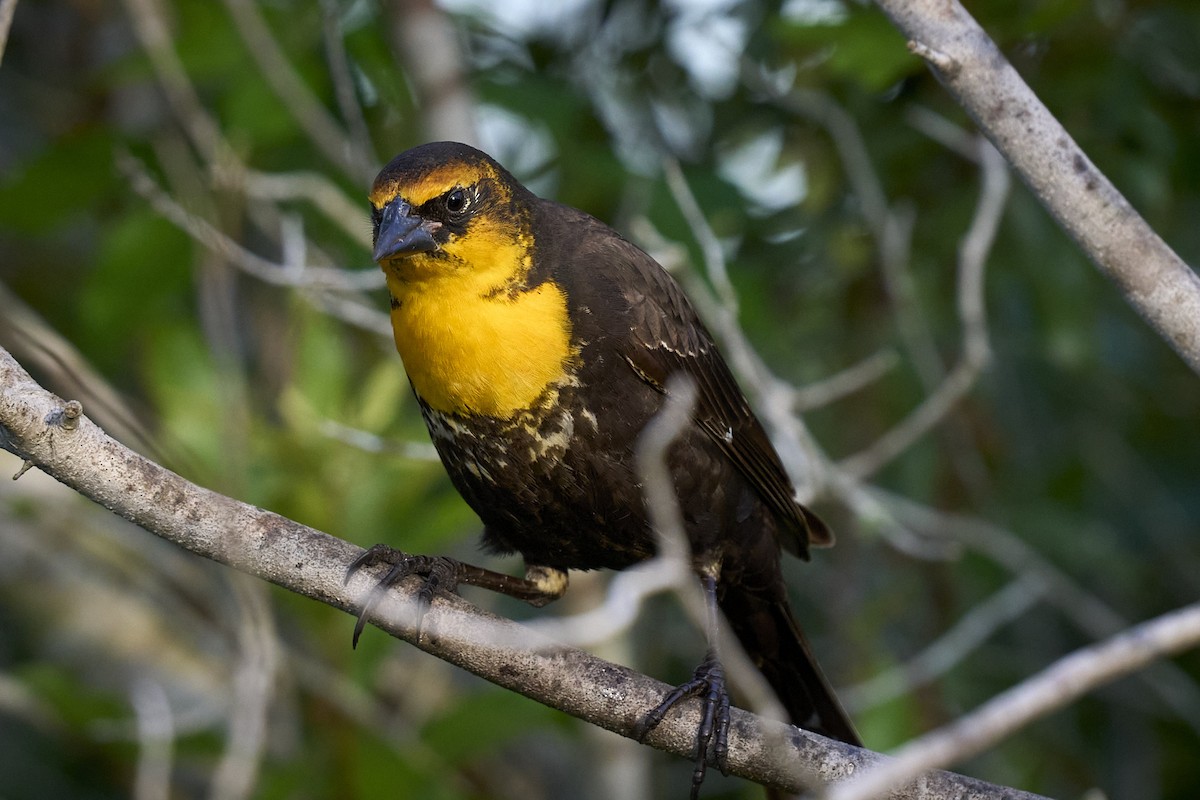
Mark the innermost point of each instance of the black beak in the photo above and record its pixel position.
(402, 232)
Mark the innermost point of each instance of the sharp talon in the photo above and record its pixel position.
(377, 593)
(359, 624)
(712, 735)
(440, 574)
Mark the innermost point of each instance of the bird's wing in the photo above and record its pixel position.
(666, 337)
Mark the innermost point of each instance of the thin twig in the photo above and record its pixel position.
(1088, 612)
(276, 274)
(373, 443)
(710, 246)
(972, 261)
(7, 9)
(316, 189)
(151, 28)
(950, 135)
(850, 380)
(949, 649)
(37, 343)
(343, 81)
(156, 740)
(314, 119)
(226, 169)
(352, 311)
(1058, 685)
(776, 398)
(236, 775)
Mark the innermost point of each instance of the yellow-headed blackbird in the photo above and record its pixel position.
(539, 344)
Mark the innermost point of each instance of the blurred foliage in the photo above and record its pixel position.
(1079, 440)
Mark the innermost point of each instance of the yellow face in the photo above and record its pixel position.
(491, 252)
(474, 337)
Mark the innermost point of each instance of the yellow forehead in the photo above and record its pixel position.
(417, 190)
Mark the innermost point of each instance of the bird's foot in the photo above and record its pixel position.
(712, 737)
(441, 574)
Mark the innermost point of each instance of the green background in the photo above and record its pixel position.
(1055, 505)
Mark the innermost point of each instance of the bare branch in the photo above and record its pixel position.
(290, 274)
(1088, 612)
(33, 426)
(316, 121)
(951, 647)
(891, 227)
(156, 740)
(710, 246)
(333, 291)
(236, 775)
(372, 443)
(972, 260)
(150, 26)
(34, 341)
(1060, 684)
(7, 9)
(316, 189)
(343, 82)
(1154, 280)
(847, 382)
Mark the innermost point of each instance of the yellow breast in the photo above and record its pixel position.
(468, 352)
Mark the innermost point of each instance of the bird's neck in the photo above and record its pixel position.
(471, 350)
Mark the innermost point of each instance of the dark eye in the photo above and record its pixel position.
(457, 201)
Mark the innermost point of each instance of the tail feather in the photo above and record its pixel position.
(772, 638)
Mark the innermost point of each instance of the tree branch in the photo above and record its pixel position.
(1054, 687)
(40, 428)
(1155, 281)
(7, 9)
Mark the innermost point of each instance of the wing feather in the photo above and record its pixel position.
(666, 337)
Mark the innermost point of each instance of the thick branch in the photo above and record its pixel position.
(1155, 281)
(39, 427)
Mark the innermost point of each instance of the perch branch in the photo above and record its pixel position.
(42, 430)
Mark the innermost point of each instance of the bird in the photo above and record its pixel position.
(539, 343)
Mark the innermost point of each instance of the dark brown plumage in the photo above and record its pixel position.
(587, 330)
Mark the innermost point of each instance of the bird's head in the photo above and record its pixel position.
(448, 210)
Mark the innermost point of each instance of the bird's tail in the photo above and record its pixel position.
(764, 625)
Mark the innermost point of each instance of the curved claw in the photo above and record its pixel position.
(441, 574)
(712, 736)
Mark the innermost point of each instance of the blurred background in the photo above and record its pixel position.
(1008, 455)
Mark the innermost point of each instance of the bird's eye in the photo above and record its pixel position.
(457, 201)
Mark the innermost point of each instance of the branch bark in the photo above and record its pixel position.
(1154, 279)
(54, 436)
(1059, 684)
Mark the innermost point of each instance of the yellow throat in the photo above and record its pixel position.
(469, 346)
